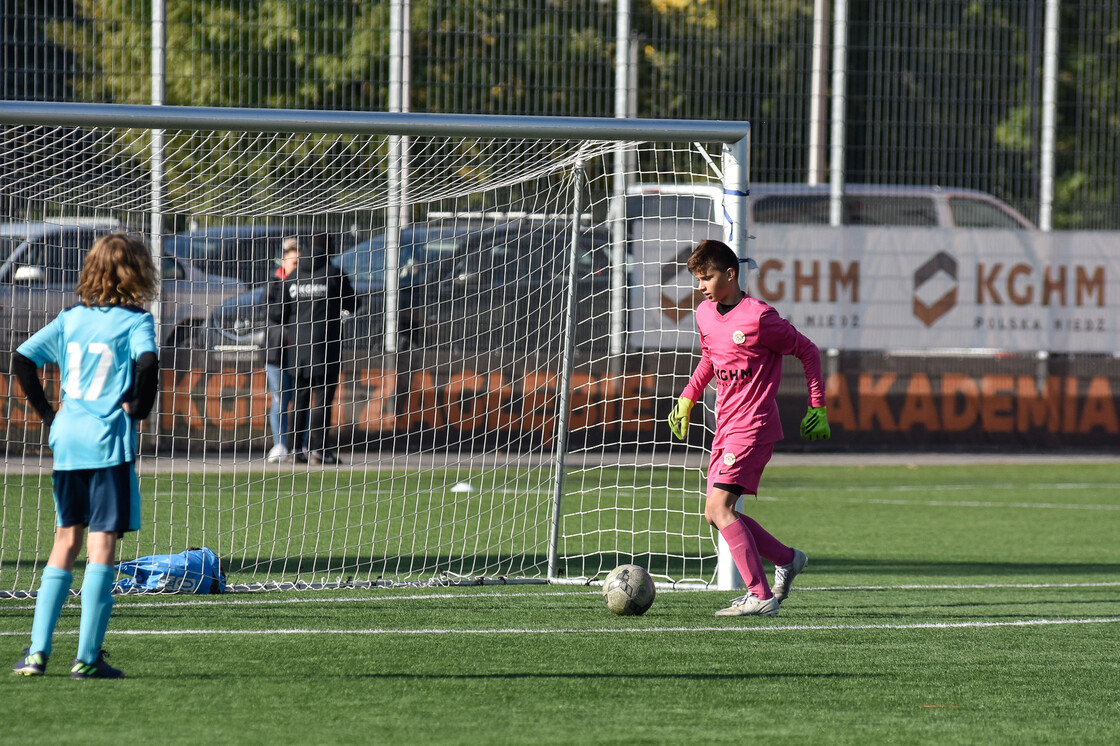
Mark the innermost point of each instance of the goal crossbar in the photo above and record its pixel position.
(366, 122)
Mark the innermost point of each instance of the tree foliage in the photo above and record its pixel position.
(939, 91)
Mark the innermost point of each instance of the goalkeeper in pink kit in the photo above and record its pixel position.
(742, 341)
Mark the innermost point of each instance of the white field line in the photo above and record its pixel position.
(795, 495)
(1033, 486)
(390, 596)
(960, 503)
(595, 630)
(955, 586)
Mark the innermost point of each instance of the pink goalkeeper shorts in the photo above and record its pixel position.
(738, 463)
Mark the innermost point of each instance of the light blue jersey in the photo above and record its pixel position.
(95, 349)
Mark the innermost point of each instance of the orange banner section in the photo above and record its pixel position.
(384, 401)
(879, 409)
(955, 402)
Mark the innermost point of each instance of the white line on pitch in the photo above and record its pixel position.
(1034, 486)
(958, 487)
(948, 503)
(954, 587)
(598, 630)
(794, 494)
(124, 602)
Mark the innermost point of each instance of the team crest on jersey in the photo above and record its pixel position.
(729, 459)
(738, 337)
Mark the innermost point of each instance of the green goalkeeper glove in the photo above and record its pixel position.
(815, 424)
(678, 418)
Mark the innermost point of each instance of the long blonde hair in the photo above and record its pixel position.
(118, 271)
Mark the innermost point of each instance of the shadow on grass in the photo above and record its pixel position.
(364, 570)
(372, 567)
(1070, 572)
(444, 567)
(544, 675)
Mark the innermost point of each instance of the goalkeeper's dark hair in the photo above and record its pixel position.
(713, 254)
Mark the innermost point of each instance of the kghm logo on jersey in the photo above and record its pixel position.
(729, 459)
(742, 374)
(738, 337)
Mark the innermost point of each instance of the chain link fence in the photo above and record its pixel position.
(937, 92)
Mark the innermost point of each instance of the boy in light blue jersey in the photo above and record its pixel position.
(105, 350)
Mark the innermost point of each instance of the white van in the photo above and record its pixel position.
(666, 221)
(801, 204)
(870, 204)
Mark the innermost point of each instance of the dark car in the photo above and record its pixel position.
(39, 268)
(508, 289)
(245, 252)
(466, 284)
(235, 330)
(427, 252)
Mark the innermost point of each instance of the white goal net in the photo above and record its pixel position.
(520, 325)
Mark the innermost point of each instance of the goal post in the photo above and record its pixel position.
(504, 380)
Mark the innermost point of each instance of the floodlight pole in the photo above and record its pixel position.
(1049, 114)
(839, 106)
(817, 96)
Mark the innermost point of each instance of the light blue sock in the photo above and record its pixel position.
(48, 605)
(97, 605)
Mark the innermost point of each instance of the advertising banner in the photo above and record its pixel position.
(874, 402)
(909, 289)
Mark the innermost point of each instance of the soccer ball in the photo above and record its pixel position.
(629, 590)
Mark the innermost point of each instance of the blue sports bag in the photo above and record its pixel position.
(192, 571)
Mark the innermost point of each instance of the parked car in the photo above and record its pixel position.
(235, 329)
(508, 289)
(40, 263)
(248, 253)
(427, 252)
(468, 284)
(69, 230)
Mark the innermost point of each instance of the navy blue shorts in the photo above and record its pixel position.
(106, 499)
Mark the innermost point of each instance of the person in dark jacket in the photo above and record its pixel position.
(281, 384)
(316, 298)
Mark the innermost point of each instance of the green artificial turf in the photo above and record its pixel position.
(941, 604)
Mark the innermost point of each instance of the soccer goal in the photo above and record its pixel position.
(522, 325)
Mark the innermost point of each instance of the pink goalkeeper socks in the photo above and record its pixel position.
(747, 561)
(767, 545)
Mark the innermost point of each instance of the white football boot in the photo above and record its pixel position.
(784, 574)
(749, 605)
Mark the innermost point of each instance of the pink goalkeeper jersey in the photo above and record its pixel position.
(743, 350)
